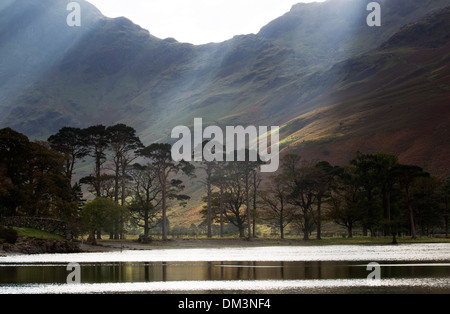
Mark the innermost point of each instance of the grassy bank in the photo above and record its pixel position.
(216, 242)
(379, 240)
(37, 234)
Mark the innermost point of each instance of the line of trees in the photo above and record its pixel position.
(374, 192)
(140, 189)
(234, 199)
(33, 180)
(36, 179)
(137, 183)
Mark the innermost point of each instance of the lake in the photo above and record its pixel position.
(406, 268)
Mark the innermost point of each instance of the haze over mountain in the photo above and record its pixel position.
(334, 84)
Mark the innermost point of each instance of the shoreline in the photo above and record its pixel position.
(118, 245)
(105, 246)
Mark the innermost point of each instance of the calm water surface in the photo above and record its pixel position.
(414, 268)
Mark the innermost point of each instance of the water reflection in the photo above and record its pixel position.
(379, 253)
(331, 286)
(297, 270)
(213, 271)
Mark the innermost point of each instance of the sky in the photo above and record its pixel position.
(198, 21)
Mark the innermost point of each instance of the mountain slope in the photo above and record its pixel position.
(119, 72)
(394, 99)
(316, 65)
(34, 37)
(335, 30)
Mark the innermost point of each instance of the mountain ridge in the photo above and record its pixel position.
(405, 113)
(118, 72)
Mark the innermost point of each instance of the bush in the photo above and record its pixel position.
(8, 234)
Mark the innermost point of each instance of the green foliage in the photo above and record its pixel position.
(101, 214)
(38, 234)
(160, 157)
(71, 143)
(33, 179)
(14, 151)
(146, 193)
(374, 191)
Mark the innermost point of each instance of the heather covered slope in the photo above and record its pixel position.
(394, 99)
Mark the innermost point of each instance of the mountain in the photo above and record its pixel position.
(334, 84)
(32, 41)
(119, 72)
(327, 32)
(394, 98)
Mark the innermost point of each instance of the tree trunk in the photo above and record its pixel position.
(394, 238)
(350, 231)
(91, 239)
(411, 214)
(241, 231)
(254, 221)
(281, 227)
(388, 206)
(255, 190)
(249, 224)
(123, 183)
(98, 175)
(116, 199)
(146, 228)
(446, 226)
(164, 218)
(209, 202)
(319, 219)
(305, 228)
(411, 219)
(116, 183)
(305, 235)
(221, 212)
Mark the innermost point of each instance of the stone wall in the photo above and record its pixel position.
(57, 227)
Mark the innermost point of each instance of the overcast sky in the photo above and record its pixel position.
(198, 21)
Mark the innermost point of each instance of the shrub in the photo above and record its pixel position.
(8, 234)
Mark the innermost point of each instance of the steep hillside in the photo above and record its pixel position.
(333, 84)
(393, 99)
(34, 37)
(316, 71)
(111, 70)
(335, 30)
(119, 72)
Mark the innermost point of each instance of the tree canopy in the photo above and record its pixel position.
(375, 193)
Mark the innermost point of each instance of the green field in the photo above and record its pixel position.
(38, 234)
(201, 241)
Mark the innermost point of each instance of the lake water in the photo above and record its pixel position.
(410, 268)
